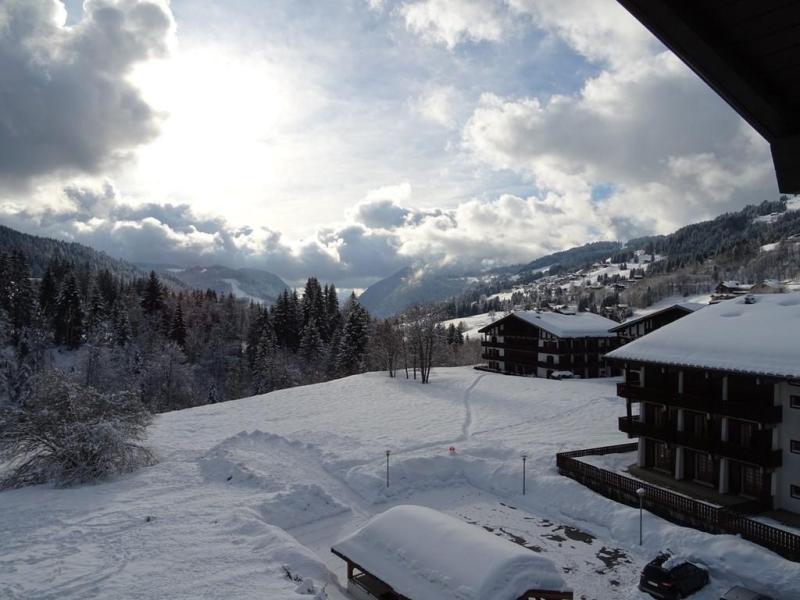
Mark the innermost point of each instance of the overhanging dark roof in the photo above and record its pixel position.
(748, 51)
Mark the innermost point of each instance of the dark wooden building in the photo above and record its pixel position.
(543, 343)
(718, 396)
(635, 328)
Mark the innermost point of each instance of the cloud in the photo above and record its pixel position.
(600, 30)
(452, 22)
(383, 214)
(67, 105)
(438, 105)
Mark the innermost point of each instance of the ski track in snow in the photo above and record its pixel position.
(466, 428)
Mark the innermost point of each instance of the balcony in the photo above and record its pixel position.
(759, 451)
(761, 413)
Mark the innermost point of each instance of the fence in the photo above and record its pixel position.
(673, 506)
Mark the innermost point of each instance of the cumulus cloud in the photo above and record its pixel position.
(438, 105)
(452, 22)
(655, 131)
(67, 105)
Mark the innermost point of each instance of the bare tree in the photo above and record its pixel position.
(387, 344)
(425, 336)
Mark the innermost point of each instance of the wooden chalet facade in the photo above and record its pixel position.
(541, 343)
(718, 396)
(636, 328)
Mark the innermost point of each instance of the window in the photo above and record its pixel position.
(794, 446)
(752, 482)
(794, 401)
(634, 377)
(794, 490)
(704, 468)
(663, 458)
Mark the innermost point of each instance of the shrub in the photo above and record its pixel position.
(67, 433)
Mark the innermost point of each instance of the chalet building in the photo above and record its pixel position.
(540, 343)
(768, 286)
(732, 288)
(719, 398)
(635, 328)
(417, 553)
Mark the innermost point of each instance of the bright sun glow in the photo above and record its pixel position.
(227, 135)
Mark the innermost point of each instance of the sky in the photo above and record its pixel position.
(350, 138)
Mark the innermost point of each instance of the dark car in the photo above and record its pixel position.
(672, 582)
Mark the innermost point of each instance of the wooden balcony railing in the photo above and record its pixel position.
(751, 411)
(676, 507)
(759, 450)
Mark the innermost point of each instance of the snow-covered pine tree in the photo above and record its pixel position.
(68, 322)
(153, 297)
(313, 303)
(312, 350)
(178, 330)
(121, 324)
(353, 340)
(333, 316)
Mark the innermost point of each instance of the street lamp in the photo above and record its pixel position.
(524, 455)
(388, 453)
(640, 493)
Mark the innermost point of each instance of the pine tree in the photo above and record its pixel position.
(48, 292)
(122, 326)
(311, 347)
(333, 317)
(68, 323)
(295, 320)
(353, 341)
(16, 293)
(153, 299)
(95, 317)
(313, 304)
(178, 330)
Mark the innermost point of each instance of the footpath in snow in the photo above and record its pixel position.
(249, 495)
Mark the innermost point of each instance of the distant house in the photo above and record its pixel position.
(540, 342)
(768, 286)
(733, 288)
(719, 398)
(639, 326)
(417, 553)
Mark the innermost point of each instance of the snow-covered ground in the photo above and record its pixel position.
(250, 495)
(475, 322)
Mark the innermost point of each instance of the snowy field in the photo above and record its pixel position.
(250, 495)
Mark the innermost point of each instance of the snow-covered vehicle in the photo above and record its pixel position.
(563, 375)
(668, 579)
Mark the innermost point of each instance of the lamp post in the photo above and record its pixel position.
(388, 453)
(640, 493)
(524, 456)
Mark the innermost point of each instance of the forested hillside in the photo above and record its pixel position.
(40, 251)
(180, 348)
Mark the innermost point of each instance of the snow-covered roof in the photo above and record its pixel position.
(582, 324)
(687, 307)
(736, 285)
(427, 555)
(760, 338)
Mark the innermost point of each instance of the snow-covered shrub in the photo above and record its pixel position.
(67, 433)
